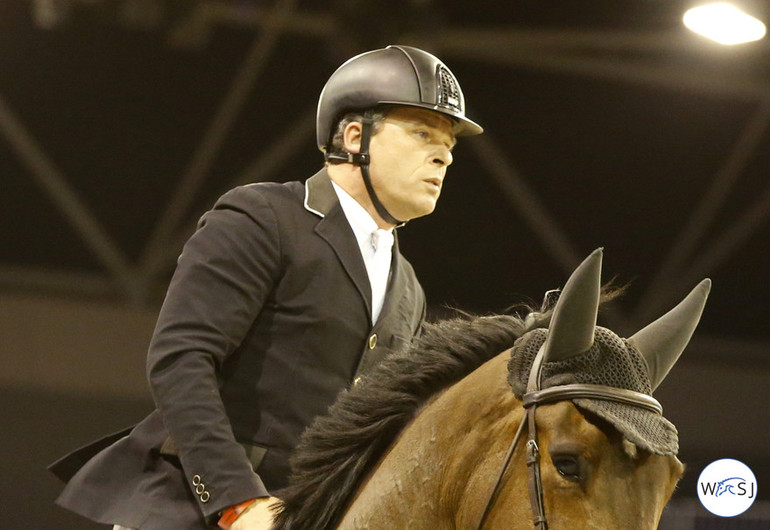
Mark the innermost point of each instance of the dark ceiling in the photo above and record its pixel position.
(607, 124)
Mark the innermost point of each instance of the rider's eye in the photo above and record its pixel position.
(568, 466)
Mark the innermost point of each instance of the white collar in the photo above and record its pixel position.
(360, 221)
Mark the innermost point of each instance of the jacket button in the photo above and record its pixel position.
(357, 381)
(372, 341)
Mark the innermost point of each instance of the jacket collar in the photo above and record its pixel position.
(320, 196)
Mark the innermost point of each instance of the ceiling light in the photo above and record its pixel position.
(724, 24)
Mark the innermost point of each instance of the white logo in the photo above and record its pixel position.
(727, 487)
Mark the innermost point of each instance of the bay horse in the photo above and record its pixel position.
(431, 439)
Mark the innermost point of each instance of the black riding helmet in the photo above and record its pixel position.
(396, 75)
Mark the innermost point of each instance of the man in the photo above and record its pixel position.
(285, 295)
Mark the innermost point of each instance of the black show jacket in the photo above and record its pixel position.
(266, 319)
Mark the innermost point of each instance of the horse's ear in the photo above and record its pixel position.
(571, 331)
(663, 341)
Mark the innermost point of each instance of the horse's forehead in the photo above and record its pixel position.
(562, 421)
(564, 425)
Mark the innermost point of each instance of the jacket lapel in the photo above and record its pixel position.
(321, 199)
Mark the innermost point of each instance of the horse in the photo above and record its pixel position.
(431, 439)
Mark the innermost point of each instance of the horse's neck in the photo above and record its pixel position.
(441, 462)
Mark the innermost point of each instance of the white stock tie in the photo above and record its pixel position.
(378, 268)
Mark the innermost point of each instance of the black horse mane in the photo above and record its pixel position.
(337, 452)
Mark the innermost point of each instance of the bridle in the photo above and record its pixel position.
(572, 332)
(530, 400)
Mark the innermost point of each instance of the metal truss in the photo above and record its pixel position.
(610, 56)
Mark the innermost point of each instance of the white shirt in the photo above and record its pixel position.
(375, 243)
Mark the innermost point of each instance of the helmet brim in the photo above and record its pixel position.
(461, 126)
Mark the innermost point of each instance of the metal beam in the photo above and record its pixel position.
(204, 157)
(553, 50)
(306, 23)
(262, 169)
(500, 40)
(524, 201)
(730, 240)
(505, 40)
(297, 136)
(66, 199)
(45, 281)
(732, 351)
(479, 46)
(668, 282)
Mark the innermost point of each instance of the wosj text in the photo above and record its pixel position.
(730, 486)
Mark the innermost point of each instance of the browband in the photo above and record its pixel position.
(588, 391)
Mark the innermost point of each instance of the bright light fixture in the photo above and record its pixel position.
(724, 23)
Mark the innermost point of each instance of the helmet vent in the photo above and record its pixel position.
(449, 91)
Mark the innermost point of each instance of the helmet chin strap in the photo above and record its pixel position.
(362, 160)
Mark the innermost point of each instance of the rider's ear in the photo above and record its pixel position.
(351, 137)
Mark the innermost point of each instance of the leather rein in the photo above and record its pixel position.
(530, 401)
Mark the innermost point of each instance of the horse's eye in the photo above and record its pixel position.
(568, 466)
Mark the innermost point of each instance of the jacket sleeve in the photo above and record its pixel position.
(223, 277)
